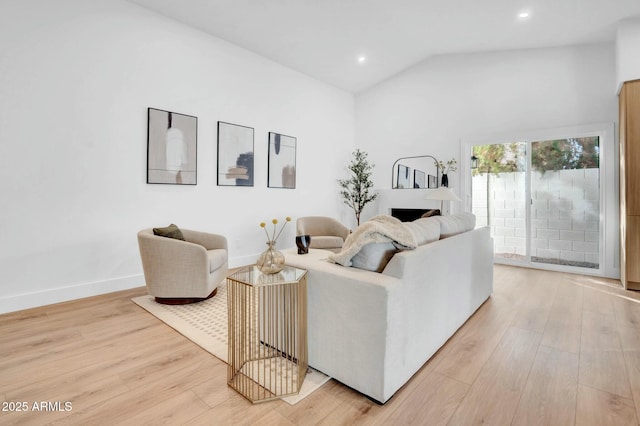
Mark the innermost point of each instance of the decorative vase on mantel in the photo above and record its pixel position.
(271, 261)
(445, 180)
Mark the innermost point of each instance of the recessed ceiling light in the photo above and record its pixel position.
(362, 59)
(523, 15)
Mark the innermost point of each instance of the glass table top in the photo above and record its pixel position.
(251, 275)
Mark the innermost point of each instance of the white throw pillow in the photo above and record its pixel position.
(456, 224)
(374, 256)
(425, 230)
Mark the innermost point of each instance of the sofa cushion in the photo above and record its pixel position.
(425, 230)
(455, 224)
(374, 256)
(323, 242)
(171, 231)
(217, 258)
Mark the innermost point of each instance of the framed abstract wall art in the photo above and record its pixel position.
(172, 141)
(282, 161)
(235, 155)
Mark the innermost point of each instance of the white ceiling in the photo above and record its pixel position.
(324, 38)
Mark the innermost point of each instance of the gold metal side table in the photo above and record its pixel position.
(268, 354)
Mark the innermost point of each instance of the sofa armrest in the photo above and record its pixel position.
(348, 313)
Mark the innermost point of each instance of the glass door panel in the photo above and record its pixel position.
(565, 202)
(499, 194)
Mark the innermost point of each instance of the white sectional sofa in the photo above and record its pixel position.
(372, 331)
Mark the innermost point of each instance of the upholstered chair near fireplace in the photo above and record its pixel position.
(326, 233)
(179, 271)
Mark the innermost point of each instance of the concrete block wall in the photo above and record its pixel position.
(565, 207)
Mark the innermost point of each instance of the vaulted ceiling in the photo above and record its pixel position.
(354, 44)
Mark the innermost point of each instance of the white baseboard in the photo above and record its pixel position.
(64, 294)
(73, 292)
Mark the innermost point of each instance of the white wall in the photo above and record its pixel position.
(431, 107)
(76, 79)
(627, 51)
(435, 106)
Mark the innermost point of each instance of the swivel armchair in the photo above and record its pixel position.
(326, 233)
(179, 272)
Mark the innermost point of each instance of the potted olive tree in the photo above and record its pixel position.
(355, 189)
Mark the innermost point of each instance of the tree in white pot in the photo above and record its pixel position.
(355, 189)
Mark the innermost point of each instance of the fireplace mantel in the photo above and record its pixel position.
(407, 199)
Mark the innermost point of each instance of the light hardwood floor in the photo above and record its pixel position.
(546, 348)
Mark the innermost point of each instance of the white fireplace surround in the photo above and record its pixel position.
(411, 199)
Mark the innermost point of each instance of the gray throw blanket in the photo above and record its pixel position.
(378, 229)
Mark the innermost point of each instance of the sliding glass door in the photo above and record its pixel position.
(541, 199)
(565, 208)
(499, 197)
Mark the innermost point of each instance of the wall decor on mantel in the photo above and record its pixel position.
(421, 165)
(172, 141)
(402, 181)
(235, 155)
(419, 180)
(282, 161)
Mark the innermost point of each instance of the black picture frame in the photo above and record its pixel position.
(172, 148)
(281, 161)
(235, 155)
(419, 179)
(432, 181)
(402, 180)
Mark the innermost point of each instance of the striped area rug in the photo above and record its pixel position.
(205, 324)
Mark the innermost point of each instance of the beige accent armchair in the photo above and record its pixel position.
(179, 272)
(326, 232)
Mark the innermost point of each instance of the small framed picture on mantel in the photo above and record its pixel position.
(402, 180)
(418, 179)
